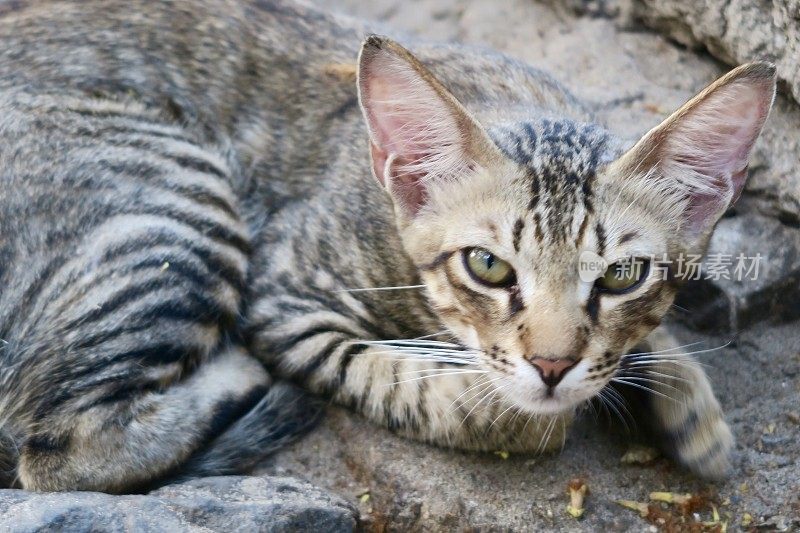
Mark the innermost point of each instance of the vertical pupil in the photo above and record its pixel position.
(489, 261)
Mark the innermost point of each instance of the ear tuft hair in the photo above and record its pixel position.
(419, 132)
(697, 158)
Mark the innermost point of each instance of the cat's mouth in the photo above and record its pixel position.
(534, 395)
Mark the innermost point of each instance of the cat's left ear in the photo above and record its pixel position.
(419, 133)
(697, 158)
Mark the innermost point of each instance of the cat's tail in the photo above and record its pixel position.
(282, 415)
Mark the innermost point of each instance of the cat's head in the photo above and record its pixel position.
(522, 232)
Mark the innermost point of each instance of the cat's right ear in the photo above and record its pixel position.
(696, 160)
(419, 133)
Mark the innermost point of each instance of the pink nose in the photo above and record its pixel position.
(552, 371)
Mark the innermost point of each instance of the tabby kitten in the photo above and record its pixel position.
(187, 192)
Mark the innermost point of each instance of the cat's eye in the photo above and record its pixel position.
(624, 276)
(487, 268)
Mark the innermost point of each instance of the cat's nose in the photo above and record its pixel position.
(552, 371)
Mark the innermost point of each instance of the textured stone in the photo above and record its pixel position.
(223, 504)
(735, 301)
(738, 31)
(735, 31)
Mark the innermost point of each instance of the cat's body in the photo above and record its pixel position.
(186, 182)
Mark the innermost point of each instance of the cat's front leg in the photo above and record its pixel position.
(446, 403)
(405, 386)
(684, 411)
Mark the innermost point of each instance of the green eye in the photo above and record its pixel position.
(624, 276)
(487, 268)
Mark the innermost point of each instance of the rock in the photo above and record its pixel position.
(715, 303)
(738, 31)
(211, 504)
(735, 31)
(639, 455)
(775, 441)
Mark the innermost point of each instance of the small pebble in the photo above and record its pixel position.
(639, 455)
(773, 441)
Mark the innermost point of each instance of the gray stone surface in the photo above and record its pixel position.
(766, 288)
(735, 31)
(223, 504)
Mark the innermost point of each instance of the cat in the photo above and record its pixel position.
(206, 204)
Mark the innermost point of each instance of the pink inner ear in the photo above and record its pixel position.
(707, 150)
(414, 131)
(406, 188)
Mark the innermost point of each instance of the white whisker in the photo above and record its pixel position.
(486, 384)
(646, 372)
(420, 378)
(366, 289)
(498, 417)
(644, 388)
(648, 380)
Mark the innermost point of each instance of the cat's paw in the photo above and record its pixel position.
(703, 443)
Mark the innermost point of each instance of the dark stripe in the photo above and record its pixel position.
(207, 227)
(102, 132)
(516, 235)
(627, 237)
(176, 270)
(228, 411)
(93, 113)
(34, 290)
(535, 191)
(45, 444)
(280, 347)
(215, 263)
(161, 353)
(309, 368)
(593, 304)
(537, 225)
(127, 390)
(440, 259)
(515, 304)
(586, 186)
(582, 230)
(194, 192)
(682, 433)
(477, 299)
(129, 294)
(197, 164)
(706, 457)
(346, 359)
(601, 239)
(202, 196)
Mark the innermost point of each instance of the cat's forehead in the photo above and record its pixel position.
(560, 160)
(558, 153)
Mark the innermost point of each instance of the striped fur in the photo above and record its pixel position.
(186, 190)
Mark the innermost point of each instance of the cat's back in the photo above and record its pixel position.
(219, 63)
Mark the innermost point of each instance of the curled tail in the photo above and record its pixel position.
(277, 418)
(9, 457)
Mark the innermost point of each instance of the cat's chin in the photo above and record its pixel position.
(551, 405)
